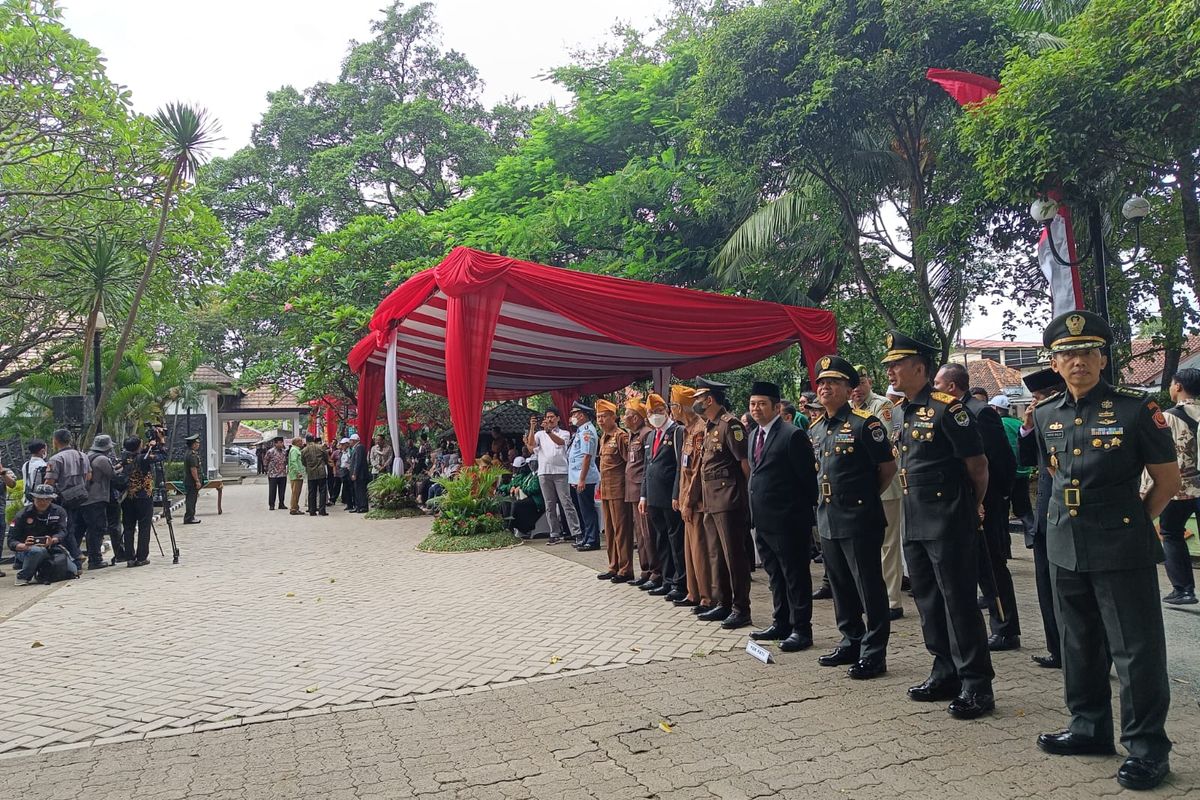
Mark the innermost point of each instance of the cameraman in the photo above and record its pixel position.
(38, 536)
(137, 508)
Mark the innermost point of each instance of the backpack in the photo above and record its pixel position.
(32, 478)
(56, 567)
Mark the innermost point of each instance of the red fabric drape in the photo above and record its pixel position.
(331, 423)
(964, 87)
(470, 327)
(563, 400)
(708, 332)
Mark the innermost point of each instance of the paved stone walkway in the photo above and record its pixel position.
(697, 724)
(271, 614)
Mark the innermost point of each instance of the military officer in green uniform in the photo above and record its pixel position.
(724, 472)
(855, 464)
(191, 479)
(943, 478)
(1103, 551)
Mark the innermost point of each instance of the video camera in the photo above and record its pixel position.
(155, 434)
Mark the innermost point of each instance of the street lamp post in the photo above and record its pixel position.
(97, 372)
(1134, 209)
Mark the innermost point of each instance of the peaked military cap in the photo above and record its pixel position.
(1077, 330)
(1042, 380)
(765, 389)
(578, 406)
(900, 346)
(837, 367)
(195, 437)
(715, 388)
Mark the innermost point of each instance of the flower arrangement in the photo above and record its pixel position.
(468, 504)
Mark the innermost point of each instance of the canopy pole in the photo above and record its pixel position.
(662, 382)
(393, 408)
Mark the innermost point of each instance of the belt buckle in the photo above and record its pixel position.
(826, 489)
(903, 481)
(1071, 497)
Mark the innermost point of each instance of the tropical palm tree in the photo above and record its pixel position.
(189, 133)
(98, 276)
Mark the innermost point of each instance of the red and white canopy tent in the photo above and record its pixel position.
(481, 327)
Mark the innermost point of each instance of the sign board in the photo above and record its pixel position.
(758, 651)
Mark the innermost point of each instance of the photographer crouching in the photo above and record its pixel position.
(137, 505)
(38, 536)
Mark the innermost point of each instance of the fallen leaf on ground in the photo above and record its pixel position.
(1020, 712)
(333, 580)
(311, 689)
(290, 594)
(665, 726)
(636, 649)
(37, 644)
(555, 659)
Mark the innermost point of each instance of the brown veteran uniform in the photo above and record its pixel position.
(634, 473)
(727, 505)
(699, 552)
(618, 525)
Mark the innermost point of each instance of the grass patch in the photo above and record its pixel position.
(393, 513)
(443, 543)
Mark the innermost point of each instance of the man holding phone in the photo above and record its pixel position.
(549, 447)
(37, 534)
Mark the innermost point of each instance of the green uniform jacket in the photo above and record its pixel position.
(850, 446)
(1097, 448)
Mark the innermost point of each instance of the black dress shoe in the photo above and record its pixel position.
(839, 657)
(1049, 662)
(97, 565)
(1142, 773)
(795, 643)
(660, 591)
(716, 614)
(738, 620)
(774, 633)
(650, 586)
(1066, 743)
(191, 522)
(867, 668)
(933, 690)
(675, 596)
(701, 609)
(686, 603)
(824, 593)
(141, 562)
(895, 613)
(971, 705)
(621, 578)
(638, 583)
(606, 576)
(996, 643)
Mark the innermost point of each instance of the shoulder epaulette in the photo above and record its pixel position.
(858, 412)
(1043, 402)
(1125, 391)
(942, 397)
(816, 419)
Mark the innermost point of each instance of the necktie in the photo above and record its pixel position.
(657, 441)
(758, 445)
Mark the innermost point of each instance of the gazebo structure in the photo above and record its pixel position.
(480, 326)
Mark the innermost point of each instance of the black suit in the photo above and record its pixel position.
(660, 487)
(783, 493)
(994, 578)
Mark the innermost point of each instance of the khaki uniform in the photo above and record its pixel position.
(727, 509)
(699, 551)
(618, 525)
(893, 565)
(634, 473)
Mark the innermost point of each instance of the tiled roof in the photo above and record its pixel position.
(245, 434)
(993, 377)
(1146, 366)
(512, 419)
(264, 398)
(206, 374)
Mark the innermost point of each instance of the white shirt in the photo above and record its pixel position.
(551, 457)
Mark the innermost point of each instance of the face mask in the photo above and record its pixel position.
(698, 408)
(658, 420)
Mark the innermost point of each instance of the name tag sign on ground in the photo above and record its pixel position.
(758, 651)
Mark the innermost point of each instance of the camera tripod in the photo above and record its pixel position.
(160, 496)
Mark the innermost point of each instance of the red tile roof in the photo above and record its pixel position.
(1146, 366)
(993, 377)
(264, 398)
(206, 374)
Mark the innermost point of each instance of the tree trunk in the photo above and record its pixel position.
(110, 378)
(89, 331)
(1190, 207)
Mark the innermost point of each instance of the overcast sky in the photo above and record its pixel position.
(226, 55)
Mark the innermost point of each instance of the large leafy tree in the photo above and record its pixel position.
(395, 133)
(828, 103)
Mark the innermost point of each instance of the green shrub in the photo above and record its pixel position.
(451, 523)
(16, 501)
(391, 492)
(470, 493)
(173, 470)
